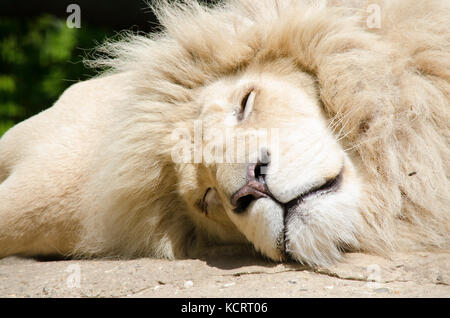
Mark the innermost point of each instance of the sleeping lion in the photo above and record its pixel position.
(297, 129)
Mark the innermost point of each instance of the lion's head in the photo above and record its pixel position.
(275, 172)
(340, 160)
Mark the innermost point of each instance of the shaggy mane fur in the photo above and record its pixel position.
(385, 92)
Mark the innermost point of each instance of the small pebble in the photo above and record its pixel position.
(188, 284)
(382, 290)
(440, 279)
(292, 282)
(329, 287)
(229, 284)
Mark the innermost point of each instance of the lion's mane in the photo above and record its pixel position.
(385, 91)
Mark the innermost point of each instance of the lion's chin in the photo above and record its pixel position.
(316, 232)
(263, 226)
(319, 230)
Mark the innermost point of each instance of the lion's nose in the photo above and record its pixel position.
(254, 188)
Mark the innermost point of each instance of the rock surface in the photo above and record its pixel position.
(359, 275)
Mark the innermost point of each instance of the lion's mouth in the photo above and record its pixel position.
(292, 210)
(330, 185)
(256, 188)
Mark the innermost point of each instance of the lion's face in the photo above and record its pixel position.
(295, 194)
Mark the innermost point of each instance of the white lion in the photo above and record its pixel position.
(361, 115)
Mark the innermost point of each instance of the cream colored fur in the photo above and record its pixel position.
(93, 176)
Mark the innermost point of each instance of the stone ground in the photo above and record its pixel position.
(404, 275)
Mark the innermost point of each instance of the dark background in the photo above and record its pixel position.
(40, 56)
(110, 14)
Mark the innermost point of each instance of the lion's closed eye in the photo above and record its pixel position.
(247, 105)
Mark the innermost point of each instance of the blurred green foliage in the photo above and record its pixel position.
(39, 59)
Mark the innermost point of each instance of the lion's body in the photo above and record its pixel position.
(93, 176)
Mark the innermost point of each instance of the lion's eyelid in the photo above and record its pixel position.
(248, 103)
